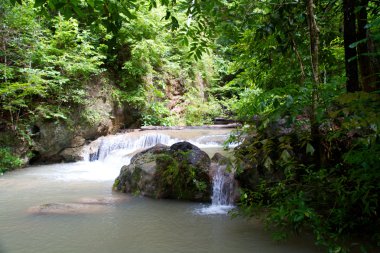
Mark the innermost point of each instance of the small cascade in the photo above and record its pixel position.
(128, 144)
(223, 193)
(213, 140)
(222, 188)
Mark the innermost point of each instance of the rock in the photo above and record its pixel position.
(103, 200)
(178, 172)
(185, 152)
(220, 159)
(77, 141)
(82, 206)
(138, 176)
(66, 208)
(223, 121)
(72, 154)
(155, 150)
(63, 140)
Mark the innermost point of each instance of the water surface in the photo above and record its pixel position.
(122, 223)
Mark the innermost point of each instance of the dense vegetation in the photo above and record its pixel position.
(54, 67)
(302, 76)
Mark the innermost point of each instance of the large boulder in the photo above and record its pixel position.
(178, 172)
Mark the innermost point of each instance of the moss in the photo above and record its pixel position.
(116, 184)
(179, 179)
(136, 174)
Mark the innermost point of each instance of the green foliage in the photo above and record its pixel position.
(338, 201)
(252, 60)
(200, 112)
(290, 101)
(157, 68)
(178, 177)
(8, 161)
(43, 70)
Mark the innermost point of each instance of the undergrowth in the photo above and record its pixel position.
(337, 198)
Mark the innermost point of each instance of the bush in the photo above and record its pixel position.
(338, 200)
(8, 161)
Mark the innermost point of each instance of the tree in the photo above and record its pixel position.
(361, 66)
(314, 52)
(368, 64)
(351, 61)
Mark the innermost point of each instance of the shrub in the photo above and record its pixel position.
(8, 161)
(338, 200)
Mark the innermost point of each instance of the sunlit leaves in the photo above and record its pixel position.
(42, 65)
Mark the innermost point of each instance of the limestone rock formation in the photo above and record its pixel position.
(63, 141)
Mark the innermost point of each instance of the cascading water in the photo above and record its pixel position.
(128, 144)
(223, 192)
(109, 153)
(131, 142)
(222, 188)
(114, 151)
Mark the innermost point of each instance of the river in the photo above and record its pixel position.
(100, 220)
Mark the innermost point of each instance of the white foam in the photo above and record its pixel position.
(214, 209)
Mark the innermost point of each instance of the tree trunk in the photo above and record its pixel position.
(367, 61)
(300, 62)
(314, 45)
(349, 35)
(314, 40)
(4, 48)
(363, 57)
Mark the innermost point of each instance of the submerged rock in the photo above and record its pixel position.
(178, 172)
(82, 206)
(102, 200)
(66, 208)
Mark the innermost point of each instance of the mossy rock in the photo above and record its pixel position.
(178, 172)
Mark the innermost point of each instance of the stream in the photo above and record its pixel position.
(71, 207)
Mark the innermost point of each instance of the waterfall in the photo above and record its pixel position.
(128, 144)
(109, 153)
(222, 188)
(223, 192)
(106, 155)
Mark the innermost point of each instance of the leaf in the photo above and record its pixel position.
(91, 3)
(355, 44)
(152, 4)
(175, 24)
(38, 3)
(285, 156)
(168, 14)
(268, 163)
(129, 14)
(185, 41)
(309, 149)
